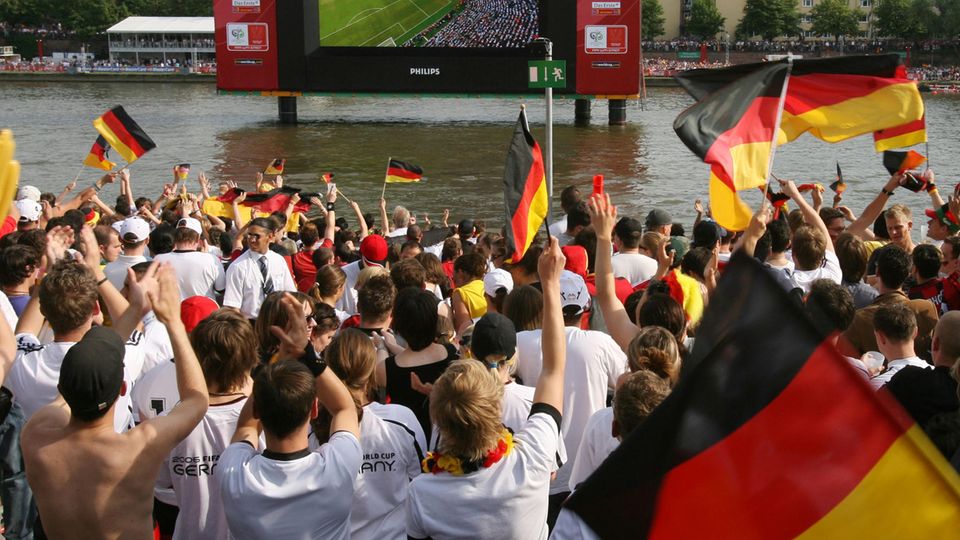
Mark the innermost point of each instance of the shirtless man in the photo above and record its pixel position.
(88, 480)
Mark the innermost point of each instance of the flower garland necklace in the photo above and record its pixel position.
(436, 462)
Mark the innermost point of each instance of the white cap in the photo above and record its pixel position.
(29, 209)
(134, 229)
(29, 192)
(191, 223)
(495, 280)
(573, 292)
(117, 226)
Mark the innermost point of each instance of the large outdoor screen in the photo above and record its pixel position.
(508, 24)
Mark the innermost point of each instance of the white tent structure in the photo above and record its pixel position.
(162, 38)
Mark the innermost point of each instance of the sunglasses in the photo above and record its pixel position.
(253, 236)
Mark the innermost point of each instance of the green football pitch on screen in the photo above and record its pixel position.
(378, 23)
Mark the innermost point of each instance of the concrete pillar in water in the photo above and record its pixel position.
(581, 112)
(287, 106)
(617, 109)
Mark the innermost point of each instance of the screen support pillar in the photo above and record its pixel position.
(287, 107)
(617, 112)
(581, 112)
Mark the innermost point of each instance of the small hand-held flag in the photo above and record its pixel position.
(327, 177)
(838, 186)
(899, 162)
(183, 171)
(275, 166)
(400, 172)
(98, 157)
(524, 190)
(770, 433)
(123, 134)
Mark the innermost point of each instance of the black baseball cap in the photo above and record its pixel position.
(493, 334)
(92, 371)
(658, 218)
(627, 228)
(706, 234)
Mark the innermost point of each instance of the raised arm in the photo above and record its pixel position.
(603, 217)
(238, 220)
(126, 317)
(169, 430)
(810, 216)
(126, 188)
(384, 220)
(550, 384)
(935, 199)
(362, 223)
(758, 226)
(66, 189)
(861, 227)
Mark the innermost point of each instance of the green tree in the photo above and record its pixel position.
(705, 19)
(835, 18)
(769, 19)
(652, 21)
(899, 18)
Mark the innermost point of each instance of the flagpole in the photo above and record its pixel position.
(926, 149)
(776, 126)
(344, 196)
(383, 192)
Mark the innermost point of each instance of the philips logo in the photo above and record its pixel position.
(430, 72)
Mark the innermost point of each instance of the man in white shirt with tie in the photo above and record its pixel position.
(256, 273)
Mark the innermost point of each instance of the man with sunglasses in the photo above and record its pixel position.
(257, 272)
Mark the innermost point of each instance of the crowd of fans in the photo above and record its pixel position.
(483, 23)
(316, 374)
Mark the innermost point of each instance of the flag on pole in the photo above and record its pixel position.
(899, 162)
(327, 177)
(401, 172)
(98, 157)
(524, 190)
(901, 136)
(183, 171)
(770, 434)
(833, 99)
(839, 186)
(275, 166)
(123, 134)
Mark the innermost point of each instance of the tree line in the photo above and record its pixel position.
(87, 18)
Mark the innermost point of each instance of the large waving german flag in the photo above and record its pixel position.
(275, 200)
(524, 190)
(123, 134)
(770, 434)
(833, 99)
(98, 158)
(731, 128)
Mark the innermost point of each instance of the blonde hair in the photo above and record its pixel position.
(352, 356)
(465, 406)
(369, 272)
(898, 211)
(655, 349)
(651, 241)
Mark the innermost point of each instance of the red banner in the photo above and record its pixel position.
(246, 36)
(608, 47)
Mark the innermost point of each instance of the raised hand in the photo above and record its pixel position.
(603, 215)
(160, 285)
(59, 239)
(141, 292)
(551, 262)
(294, 337)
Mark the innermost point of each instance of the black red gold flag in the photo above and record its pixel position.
(770, 433)
(901, 136)
(899, 162)
(275, 200)
(524, 190)
(402, 172)
(123, 134)
(839, 186)
(327, 177)
(99, 158)
(275, 166)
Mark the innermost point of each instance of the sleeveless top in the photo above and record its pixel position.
(473, 299)
(400, 392)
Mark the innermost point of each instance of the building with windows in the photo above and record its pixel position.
(162, 40)
(676, 13)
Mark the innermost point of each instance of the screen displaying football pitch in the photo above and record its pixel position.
(428, 23)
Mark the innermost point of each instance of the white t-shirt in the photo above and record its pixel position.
(507, 500)
(154, 395)
(198, 273)
(116, 271)
(393, 449)
(348, 301)
(6, 308)
(559, 227)
(597, 443)
(893, 366)
(157, 348)
(515, 409)
(245, 282)
(190, 469)
(569, 526)
(35, 374)
(293, 498)
(402, 231)
(594, 362)
(634, 267)
(830, 269)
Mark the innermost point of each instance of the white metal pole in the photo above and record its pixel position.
(548, 165)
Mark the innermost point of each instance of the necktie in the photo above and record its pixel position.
(267, 282)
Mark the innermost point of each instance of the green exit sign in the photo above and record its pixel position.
(547, 73)
(688, 55)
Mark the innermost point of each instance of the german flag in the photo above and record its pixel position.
(731, 129)
(402, 172)
(901, 136)
(275, 200)
(275, 166)
(833, 99)
(98, 158)
(770, 434)
(524, 190)
(839, 186)
(899, 162)
(123, 134)
(327, 177)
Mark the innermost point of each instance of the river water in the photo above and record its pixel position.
(460, 143)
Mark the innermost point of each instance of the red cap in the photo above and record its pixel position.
(195, 309)
(576, 259)
(374, 249)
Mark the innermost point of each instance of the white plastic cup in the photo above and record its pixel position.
(873, 360)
